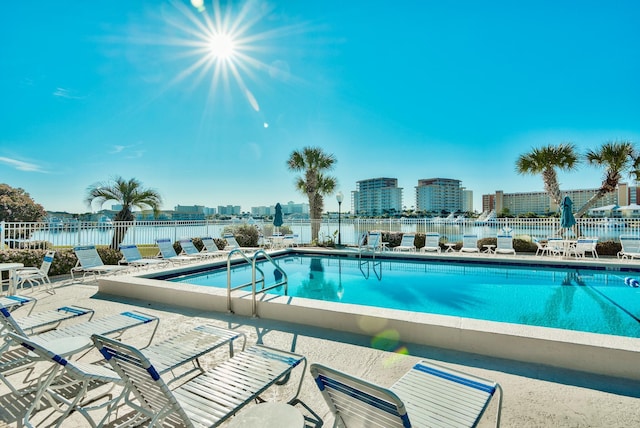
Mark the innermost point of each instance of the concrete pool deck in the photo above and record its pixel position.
(536, 395)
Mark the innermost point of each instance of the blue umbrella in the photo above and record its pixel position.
(567, 219)
(277, 218)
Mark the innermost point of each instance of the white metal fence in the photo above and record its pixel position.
(347, 231)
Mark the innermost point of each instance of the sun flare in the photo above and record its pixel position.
(221, 46)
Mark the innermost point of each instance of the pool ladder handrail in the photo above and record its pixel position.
(254, 280)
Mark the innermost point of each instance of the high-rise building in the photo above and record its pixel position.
(540, 202)
(439, 194)
(229, 210)
(467, 200)
(377, 196)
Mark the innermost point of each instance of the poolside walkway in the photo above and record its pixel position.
(535, 396)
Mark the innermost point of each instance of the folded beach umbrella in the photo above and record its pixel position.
(567, 219)
(277, 218)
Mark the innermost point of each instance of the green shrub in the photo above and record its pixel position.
(608, 248)
(246, 234)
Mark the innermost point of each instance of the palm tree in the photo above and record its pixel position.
(129, 194)
(315, 184)
(545, 160)
(618, 158)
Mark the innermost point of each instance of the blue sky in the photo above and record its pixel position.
(410, 89)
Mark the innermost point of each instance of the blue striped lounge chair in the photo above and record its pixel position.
(232, 244)
(431, 243)
(407, 243)
(206, 400)
(630, 247)
(189, 249)
(469, 244)
(169, 356)
(131, 257)
(504, 245)
(428, 395)
(34, 275)
(168, 253)
(89, 262)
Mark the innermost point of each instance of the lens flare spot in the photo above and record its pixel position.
(252, 100)
(386, 340)
(266, 125)
(371, 325)
(198, 4)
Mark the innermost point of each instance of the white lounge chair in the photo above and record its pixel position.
(16, 360)
(34, 275)
(206, 400)
(168, 253)
(557, 246)
(89, 262)
(431, 243)
(169, 356)
(428, 395)
(504, 245)
(373, 242)
(40, 321)
(289, 240)
(407, 243)
(210, 246)
(630, 247)
(541, 248)
(584, 246)
(469, 244)
(232, 244)
(189, 249)
(71, 385)
(131, 257)
(15, 301)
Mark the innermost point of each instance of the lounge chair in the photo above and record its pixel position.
(557, 246)
(504, 245)
(584, 246)
(470, 244)
(131, 257)
(541, 248)
(40, 321)
(71, 385)
(34, 275)
(289, 241)
(15, 301)
(206, 400)
(407, 243)
(169, 253)
(109, 325)
(169, 356)
(431, 243)
(428, 395)
(210, 246)
(190, 250)
(16, 360)
(89, 262)
(630, 247)
(232, 244)
(372, 243)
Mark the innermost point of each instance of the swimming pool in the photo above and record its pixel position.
(569, 298)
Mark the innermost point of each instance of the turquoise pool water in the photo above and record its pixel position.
(592, 301)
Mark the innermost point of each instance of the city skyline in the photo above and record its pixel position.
(205, 102)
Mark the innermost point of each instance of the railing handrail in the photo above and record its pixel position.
(238, 287)
(285, 279)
